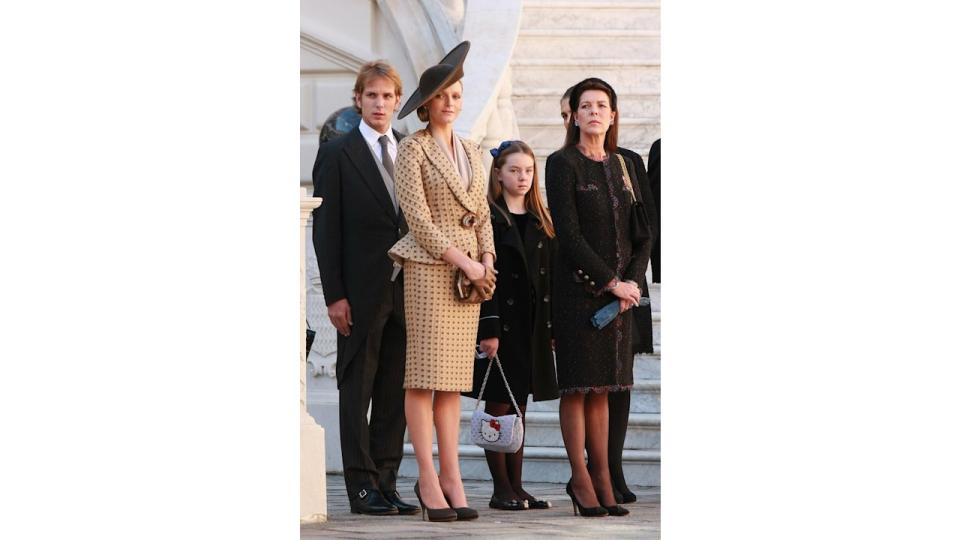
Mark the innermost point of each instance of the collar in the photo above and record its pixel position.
(373, 137)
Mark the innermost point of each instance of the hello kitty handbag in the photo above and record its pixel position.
(496, 433)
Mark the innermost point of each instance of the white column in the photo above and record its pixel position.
(313, 466)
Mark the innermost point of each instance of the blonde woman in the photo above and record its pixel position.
(442, 190)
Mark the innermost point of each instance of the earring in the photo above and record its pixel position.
(576, 124)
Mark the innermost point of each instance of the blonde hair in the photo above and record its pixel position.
(372, 70)
(532, 201)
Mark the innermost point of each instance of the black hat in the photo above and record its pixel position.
(436, 78)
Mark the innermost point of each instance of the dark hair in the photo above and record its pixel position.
(573, 131)
(566, 95)
(532, 201)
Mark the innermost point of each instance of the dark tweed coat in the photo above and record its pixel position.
(591, 213)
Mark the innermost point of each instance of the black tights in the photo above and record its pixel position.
(506, 469)
(619, 403)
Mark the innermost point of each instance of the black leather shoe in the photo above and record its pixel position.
(403, 508)
(372, 503)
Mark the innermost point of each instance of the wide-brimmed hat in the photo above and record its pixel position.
(436, 78)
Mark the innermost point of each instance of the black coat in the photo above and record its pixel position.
(592, 209)
(643, 316)
(352, 230)
(519, 312)
(654, 176)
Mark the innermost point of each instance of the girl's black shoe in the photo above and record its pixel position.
(534, 503)
(594, 511)
(435, 514)
(500, 504)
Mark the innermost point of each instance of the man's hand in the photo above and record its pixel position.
(490, 346)
(339, 313)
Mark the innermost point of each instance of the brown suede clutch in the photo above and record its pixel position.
(474, 292)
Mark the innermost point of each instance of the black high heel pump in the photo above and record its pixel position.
(435, 514)
(464, 513)
(593, 511)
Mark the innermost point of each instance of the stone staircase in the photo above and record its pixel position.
(545, 459)
(561, 42)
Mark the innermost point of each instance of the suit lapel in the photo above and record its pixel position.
(363, 159)
(438, 156)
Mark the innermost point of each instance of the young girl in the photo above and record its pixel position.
(515, 323)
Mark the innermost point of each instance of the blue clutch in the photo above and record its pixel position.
(606, 314)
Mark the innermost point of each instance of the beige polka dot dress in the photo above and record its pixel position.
(441, 332)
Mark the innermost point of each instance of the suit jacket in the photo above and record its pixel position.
(435, 204)
(352, 231)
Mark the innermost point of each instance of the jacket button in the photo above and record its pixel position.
(580, 272)
(549, 324)
(543, 271)
(509, 301)
(586, 277)
(506, 328)
(592, 284)
(546, 298)
(540, 244)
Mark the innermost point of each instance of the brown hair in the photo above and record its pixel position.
(372, 70)
(422, 113)
(532, 201)
(573, 130)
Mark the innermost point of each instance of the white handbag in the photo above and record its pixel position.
(496, 433)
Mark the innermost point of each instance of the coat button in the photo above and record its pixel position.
(580, 272)
(509, 301)
(546, 298)
(540, 244)
(543, 271)
(586, 277)
(506, 328)
(592, 284)
(549, 324)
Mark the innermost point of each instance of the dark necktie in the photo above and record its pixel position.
(388, 166)
(385, 155)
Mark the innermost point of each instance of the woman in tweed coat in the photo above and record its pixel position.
(601, 260)
(442, 190)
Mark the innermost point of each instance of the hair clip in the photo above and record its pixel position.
(495, 152)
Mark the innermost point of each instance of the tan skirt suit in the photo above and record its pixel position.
(441, 332)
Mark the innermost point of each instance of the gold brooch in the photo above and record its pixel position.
(469, 220)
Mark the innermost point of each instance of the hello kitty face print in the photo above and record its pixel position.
(490, 430)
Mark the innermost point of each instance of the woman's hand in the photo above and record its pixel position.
(626, 290)
(626, 304)
(474, 270)
(490, 346)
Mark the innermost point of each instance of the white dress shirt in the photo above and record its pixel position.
(373, 141)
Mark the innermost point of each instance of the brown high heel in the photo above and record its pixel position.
(435, 514)
(464, 513)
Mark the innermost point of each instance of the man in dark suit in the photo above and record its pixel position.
(358, 221)
(619, 402)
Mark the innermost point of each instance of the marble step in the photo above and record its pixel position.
(543, 429)
(542, 464)
(545, 103)
(587, 43)
(644, 397)
(633, 133)
(557, 74)
(611, 15)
